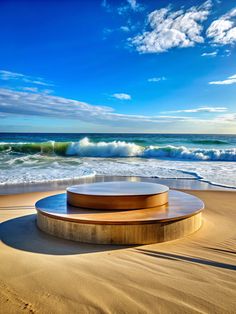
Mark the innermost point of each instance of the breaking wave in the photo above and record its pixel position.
(86, 148)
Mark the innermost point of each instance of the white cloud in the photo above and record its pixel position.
(230, 117)
(122, 96)
(223, 30)
(170, 29)
(39, 83)
(8, 76)
(30, 89)
(227, 52)
(35, 90)
(125, 28)
(157, 79)
(209, 54)
(133, 4)
(31, 104)
(47, 91)
(41, 105)
(201, 109)
(230, 80)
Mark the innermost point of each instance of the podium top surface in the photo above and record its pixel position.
(118, 188)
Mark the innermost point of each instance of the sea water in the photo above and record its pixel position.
(38, 158)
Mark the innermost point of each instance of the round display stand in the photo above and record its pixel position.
(179, 217)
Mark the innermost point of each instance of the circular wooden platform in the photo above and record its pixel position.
(117, 195)
(180, 217)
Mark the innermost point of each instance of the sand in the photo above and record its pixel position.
(43, 274)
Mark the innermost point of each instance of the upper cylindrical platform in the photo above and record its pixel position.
(117, 195)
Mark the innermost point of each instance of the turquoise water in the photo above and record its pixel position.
(31, 158)
(62, 141)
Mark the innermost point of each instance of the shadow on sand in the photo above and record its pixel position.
(191, 259)
(22, 234)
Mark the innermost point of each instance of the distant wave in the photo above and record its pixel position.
(210, 142)
(183, 153)
(86, 148)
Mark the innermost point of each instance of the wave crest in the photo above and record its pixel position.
(86, 148)
(182, 152)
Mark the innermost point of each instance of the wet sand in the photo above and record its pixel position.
(43, 274)
(188, 184)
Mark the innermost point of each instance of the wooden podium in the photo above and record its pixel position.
(120, 213)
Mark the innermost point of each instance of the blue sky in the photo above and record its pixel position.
(118, 66)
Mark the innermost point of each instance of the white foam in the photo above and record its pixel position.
(85, 148)
(219, 173)
(39, 169)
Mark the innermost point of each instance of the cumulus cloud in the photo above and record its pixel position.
(121, 96)
(201, 109)
(223, 30)
(209, 54)
(170, 29)
(157, 79)
(230, 80)
(8, 76)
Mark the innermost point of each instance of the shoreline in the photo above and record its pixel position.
(178, 184)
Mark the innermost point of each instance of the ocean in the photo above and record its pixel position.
(38, 158)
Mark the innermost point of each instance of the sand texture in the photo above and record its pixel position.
(43, 274)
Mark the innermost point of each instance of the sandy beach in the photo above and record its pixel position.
(43, 274)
